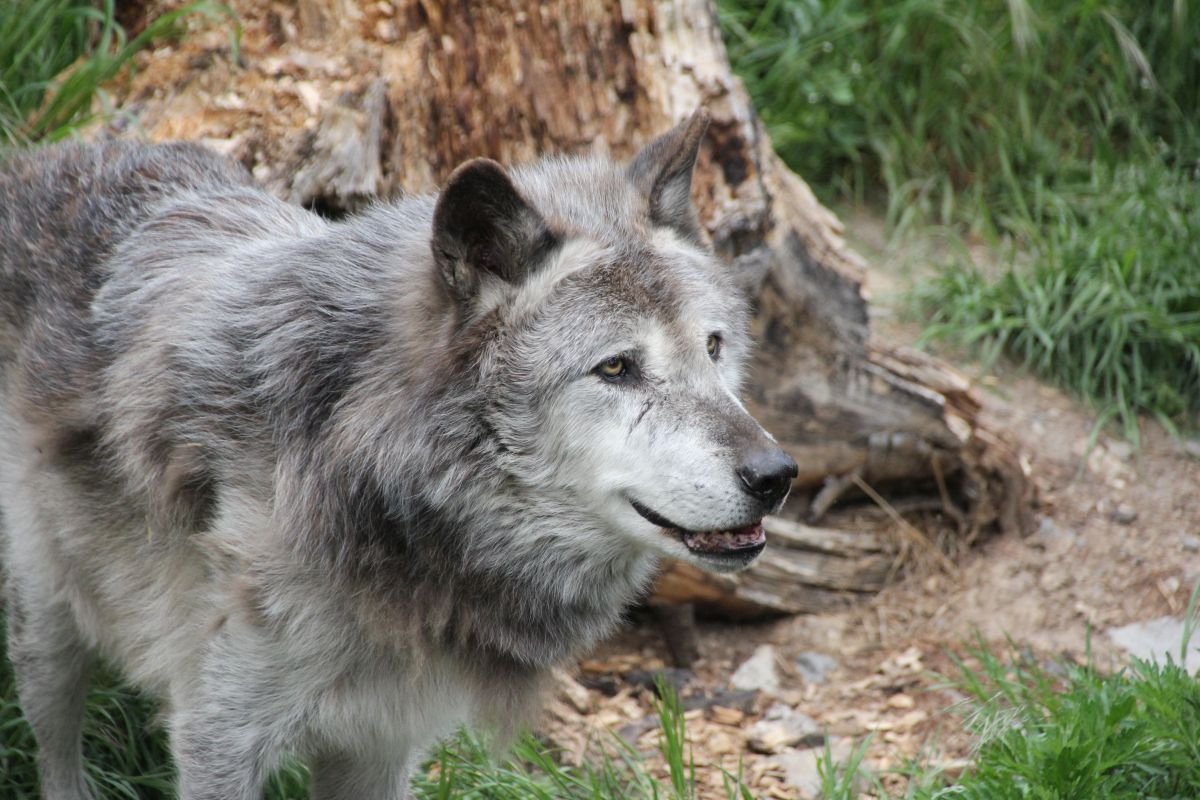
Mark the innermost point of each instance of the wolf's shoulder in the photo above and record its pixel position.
(64, 211)
(65, 207)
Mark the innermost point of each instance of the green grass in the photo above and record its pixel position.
(1135, 734)
(615, 770)
(962, 111)
(1106, 303)
(56, 54)
(1069, 129)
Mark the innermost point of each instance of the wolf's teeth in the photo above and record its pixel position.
(725, 541)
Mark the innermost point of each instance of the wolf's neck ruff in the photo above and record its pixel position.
(491, 582)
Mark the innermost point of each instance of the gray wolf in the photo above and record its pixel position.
(330, 490)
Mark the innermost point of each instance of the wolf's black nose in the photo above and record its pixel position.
(768, 474)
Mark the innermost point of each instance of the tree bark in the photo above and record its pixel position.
(341, 101)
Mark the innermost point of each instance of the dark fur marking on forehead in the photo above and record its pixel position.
(637, 278)
(490, 432)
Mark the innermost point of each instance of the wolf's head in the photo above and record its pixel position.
(615, 348)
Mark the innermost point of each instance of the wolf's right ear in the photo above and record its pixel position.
(662, 171)
(482, 224)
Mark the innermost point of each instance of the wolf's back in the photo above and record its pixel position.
(62, 211)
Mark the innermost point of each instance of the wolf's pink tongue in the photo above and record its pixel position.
(725, 541)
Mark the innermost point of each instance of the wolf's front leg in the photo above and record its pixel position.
(360, 776)
(231, 723)
(219, 756)
(52, 667)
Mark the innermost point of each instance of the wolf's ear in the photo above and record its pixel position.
(663, 172)
(482, 224)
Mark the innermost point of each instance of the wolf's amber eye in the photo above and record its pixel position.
(612, 368)
(713, 345)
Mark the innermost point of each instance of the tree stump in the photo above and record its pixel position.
(336, 102)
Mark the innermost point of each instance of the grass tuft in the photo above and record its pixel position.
(1129, 735)
(964, 111)
(1106, 304)
(1059, 730)
(56, 54)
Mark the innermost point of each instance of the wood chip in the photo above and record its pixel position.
(727, 716)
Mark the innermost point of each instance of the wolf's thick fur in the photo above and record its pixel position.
(331, 489)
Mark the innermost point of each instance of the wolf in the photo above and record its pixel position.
(329, 490)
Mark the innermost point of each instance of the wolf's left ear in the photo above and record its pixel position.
(482, 225)
(663, 172)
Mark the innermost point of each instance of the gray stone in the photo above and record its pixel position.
(1121, 449)
(1156, 640)
(800, 771)
(1124, 514)
(815, 667)
(783, 727)
(758, 672)
(800, 766)
(633, 731)
(1190, 543)
(1051, 535)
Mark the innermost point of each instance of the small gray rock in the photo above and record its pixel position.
(1190, 543)
(1124, 514)
(1051, 534)
(783, 727)
(800, 766)
(800, 771)
(1156, 640)
(677, 679)
(633, 731)
(815, 667)
(1121, 449)
(758, 672)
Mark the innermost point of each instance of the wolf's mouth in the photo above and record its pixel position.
(742, 542)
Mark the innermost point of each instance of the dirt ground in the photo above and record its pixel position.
(1117, 542)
